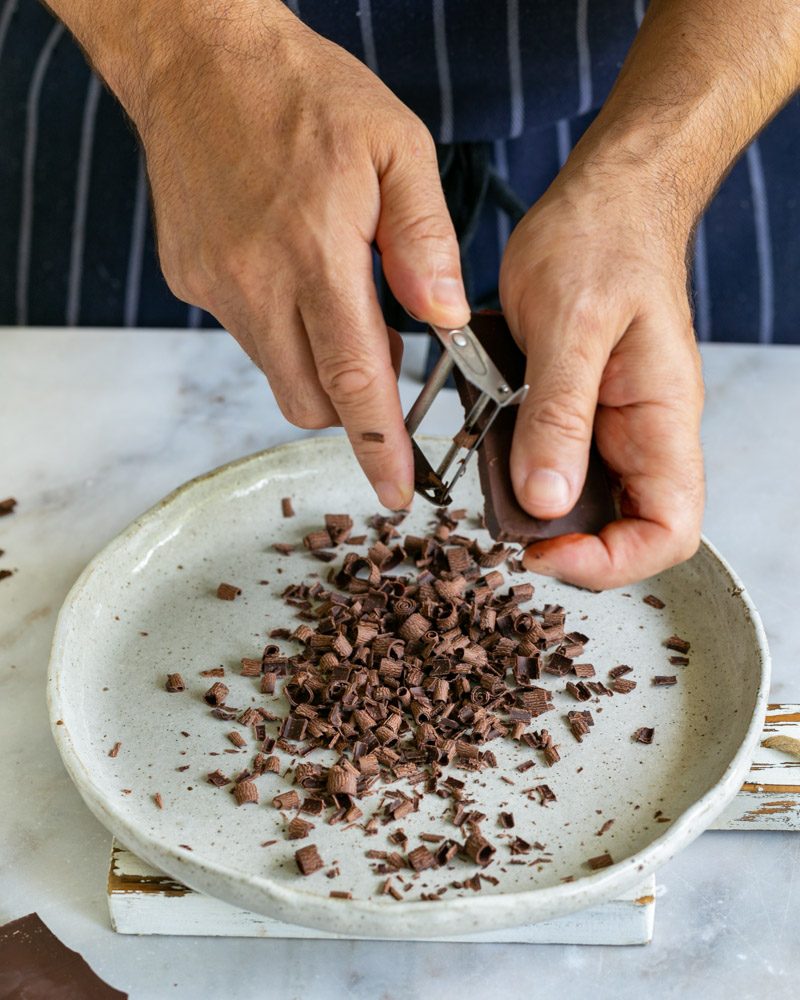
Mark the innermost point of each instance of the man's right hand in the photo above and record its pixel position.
(275, 160)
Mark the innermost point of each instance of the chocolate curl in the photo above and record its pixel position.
(478, 848)
(298, 828)
(414, 627)
(440, 691)
(342, 781)
(421, 858)
(338, 527)
(425, 734)
(216, 694)
(318, 540)
(403, 607)
(244, 792)
(303, 633)
(308, 860)
(450, 590)
(286, 800)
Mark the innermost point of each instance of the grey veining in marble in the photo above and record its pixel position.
(97, 425)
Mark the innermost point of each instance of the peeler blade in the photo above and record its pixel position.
(462, 350)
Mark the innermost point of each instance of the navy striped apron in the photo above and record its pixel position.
(505, 86)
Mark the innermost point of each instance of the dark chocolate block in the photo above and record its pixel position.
(35, 964)
(505, 519)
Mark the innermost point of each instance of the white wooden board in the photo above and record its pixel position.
(143, 900)
(770, 798)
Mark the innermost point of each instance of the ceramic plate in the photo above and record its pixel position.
(146, 607)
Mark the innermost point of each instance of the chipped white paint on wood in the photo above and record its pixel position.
(770, 798)
(143, 900)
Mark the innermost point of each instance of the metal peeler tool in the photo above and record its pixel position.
(462, 350)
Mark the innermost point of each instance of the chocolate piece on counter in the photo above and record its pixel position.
(7, 506)
(34, 963)
(228, 591)
(505, 519)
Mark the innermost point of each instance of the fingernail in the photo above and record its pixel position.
(392, 496)
(449, 293)
(545, 490)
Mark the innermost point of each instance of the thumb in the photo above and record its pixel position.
(418, 244)
(550, 451)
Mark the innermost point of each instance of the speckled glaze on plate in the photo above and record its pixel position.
(146, 606)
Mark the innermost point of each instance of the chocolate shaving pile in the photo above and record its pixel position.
(404, 676)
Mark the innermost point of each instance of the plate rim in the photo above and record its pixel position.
(407, 918)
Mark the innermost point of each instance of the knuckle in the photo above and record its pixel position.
(182, 283)
(347, 379)
(686, 544)
(417, 140)
(187, 278)
(403, 135)
(562, 413)
(304, 414)
(427, 227)
(586, 311)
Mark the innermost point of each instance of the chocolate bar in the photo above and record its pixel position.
(505, 518)
(34, 963)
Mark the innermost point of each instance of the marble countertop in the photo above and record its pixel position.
(98, 425)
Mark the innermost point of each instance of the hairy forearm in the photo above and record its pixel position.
(132, 43)
(701, 79)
